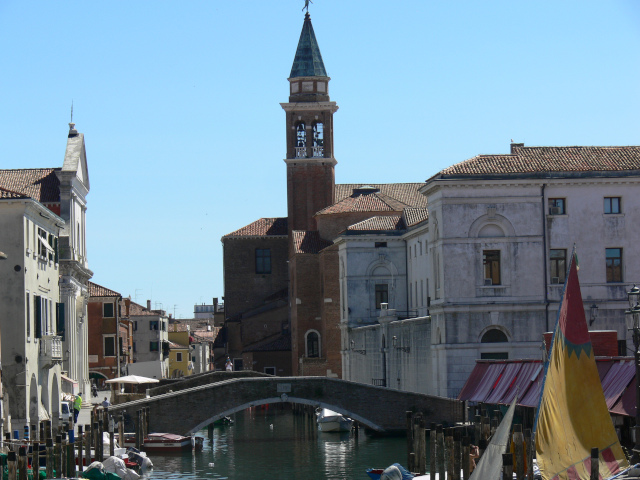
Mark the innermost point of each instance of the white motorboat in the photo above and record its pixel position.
(330, 421)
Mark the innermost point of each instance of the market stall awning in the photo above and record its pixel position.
(497, 381)
(133, 379)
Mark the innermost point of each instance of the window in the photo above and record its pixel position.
(611, 204)
(270, 370)
(318, 140)
(313, 345)
(164, 326)
(491, 262)
(382, 294)
(153, 324)
(37, 311)
(558, 260)
(28, 305)
(109, 346)
(263, 260)
(301, 141)
(494, 356)
(238, 365)
(178, 356)
(134, 347)
(154, 347)
(107, 310)
(135, 325)
(557, 206)
(380, 244)
(494, 336)
(42, 243)
(614, 265)
(193, 359)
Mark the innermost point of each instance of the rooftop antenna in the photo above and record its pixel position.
(71, 112)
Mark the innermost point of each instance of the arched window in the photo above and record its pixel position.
(301, 140)
(313, 344)
(318, 140)
(494, 336)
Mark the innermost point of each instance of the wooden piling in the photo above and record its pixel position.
(409, 425)
(507, 465)
(440, 451)
(420, 446)
(63, 455)
(12, 465)
(79, 443)
(87, 443)
(148, 420)
(71, 459)
(35, 459)
(121, 430)
(56, 456)
(477, 430)
(448, 441)
(137, 429)
(100, 451)
(466, 457)
(50, 462)
(529, 448)
(595, 464)
(22, 463)
(48, 430)
(457, 453)
(95, 434)
(432, 450)
(520, 461)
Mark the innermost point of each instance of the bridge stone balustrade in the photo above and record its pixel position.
(169, 385)
(381, 409)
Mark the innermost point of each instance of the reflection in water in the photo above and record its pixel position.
(275, 444)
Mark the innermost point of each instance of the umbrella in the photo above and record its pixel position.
(133, 379)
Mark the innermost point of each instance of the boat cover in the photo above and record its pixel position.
(490, 465)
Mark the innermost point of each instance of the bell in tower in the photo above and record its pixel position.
(310, 158)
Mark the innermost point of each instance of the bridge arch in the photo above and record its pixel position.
(379, 408)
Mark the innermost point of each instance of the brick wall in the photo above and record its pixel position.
(243, 287)
(310, 188)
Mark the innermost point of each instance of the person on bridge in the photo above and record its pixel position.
(228, 366)
(106, 402)
(77, 405)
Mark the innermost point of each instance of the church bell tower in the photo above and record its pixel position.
(310, 158)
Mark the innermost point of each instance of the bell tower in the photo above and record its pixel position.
(310, 159)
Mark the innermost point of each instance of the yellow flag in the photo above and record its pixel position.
(572, 416)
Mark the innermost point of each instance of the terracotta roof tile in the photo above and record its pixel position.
(280, 344)
(177, 345)
(262, 228)
(545, 160)
(366, 202)
(414, 216)
(308, 241)
(96, 290)
(406, 193)
(380, 223)
(5, 193)
(139, 310)
(41, 184)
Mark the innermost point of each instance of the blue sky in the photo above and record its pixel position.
(179, 104)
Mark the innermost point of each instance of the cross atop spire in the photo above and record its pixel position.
(308, 60)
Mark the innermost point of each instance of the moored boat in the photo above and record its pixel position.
(330, 421)
(166, 442)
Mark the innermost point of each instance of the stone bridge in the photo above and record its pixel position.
(381, 409)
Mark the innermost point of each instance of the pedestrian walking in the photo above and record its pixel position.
(77, 405)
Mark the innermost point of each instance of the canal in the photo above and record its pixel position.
(274, 444)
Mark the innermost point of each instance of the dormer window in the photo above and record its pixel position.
(301, 140)
(318, 140)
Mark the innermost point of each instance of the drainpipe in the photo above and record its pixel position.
(117, 308)
(544, 257)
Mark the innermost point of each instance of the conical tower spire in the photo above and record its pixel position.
(308, 60)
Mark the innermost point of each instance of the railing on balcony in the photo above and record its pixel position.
(301, 152)
(318, 152)
(379, 382)
(51, 350)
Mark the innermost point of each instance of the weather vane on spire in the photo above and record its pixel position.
(306, 5)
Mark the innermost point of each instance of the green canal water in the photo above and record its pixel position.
(276, 444)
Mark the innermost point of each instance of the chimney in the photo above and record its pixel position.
(516, 145)
(149, 305)
(215, 304)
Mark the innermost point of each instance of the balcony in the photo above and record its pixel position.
(50, 351)
(301, 152)
(318, 152)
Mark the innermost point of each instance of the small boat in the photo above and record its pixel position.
(330, 421)
(166, 442)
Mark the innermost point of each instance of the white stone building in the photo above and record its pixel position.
(491, 259)
(150, 342)
(32, 351)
